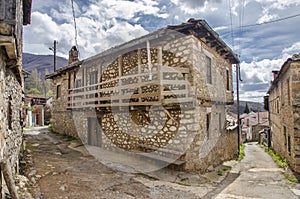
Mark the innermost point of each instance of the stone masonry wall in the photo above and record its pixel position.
(295, 88)
(284, 115)
(62, 119)
(10, 108)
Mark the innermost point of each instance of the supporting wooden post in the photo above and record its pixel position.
(159, 73)
(7, 174)
(139, 54)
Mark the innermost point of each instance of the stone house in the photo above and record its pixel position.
(165, 94)
(35, 109)
(13, 15)
(252, 124)
(284, 107)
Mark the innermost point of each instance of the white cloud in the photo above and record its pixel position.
(106, 23)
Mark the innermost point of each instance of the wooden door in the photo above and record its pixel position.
(94, 133)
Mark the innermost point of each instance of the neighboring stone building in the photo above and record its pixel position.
(252, 124)
(35, 109)
(284, 105)
(13, 15)
(165, 94)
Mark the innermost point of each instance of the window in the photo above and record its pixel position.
(284, 135)
(208, 119)
(289, 144)
(227, 80)
(208, 70)
(93, 77)
(288, 91)
(58, 91)
(220, 122)
(282, 95)
(69, 80)
(78, 83)
(9, 113)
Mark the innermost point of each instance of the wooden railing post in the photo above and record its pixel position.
(139, 54)
(159, 72)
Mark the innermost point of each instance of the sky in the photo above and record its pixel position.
(264, 33)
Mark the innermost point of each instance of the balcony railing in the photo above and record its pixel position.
(167, 86)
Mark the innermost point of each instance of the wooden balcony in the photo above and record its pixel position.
(168, 86)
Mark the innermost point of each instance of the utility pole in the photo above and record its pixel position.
(238, 104)
(53, 49)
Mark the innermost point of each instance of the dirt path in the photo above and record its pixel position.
(57, 171)
(58, 167)
(60, 172)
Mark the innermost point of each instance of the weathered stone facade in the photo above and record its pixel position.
(11, 81)
(166, 98)
(11, 104)
(284, 105)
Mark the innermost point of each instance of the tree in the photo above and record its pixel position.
(246, 109)
(49, 93)
(34, 91)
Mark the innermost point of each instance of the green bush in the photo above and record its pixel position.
(242, 152)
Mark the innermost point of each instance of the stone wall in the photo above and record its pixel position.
(10, 109)
(62, 119)
(284, 115)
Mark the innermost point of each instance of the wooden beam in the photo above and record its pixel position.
(6, 40)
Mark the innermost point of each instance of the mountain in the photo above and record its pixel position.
(253, 106)
(42, 62)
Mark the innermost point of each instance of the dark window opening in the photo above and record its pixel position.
(9, 113)
(288, 92)
(69, 80)
(227, 80)
(289, 144)
(208, 70)
(58, 91)
(208, 119)
(284, 134)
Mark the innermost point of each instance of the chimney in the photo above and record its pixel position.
(73, 55)
(275, 74)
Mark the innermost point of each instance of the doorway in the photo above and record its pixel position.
(94, 132)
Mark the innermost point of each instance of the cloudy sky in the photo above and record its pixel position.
(264, 33)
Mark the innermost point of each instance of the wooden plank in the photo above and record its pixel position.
(171, 69)
(174, 82)
(178, 100)
(115, 79)
(6, 40)
(175, 92)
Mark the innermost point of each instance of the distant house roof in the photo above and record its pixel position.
(197, 28)
(284, 67)
(253, 118)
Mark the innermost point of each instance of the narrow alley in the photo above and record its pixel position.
(59, 167)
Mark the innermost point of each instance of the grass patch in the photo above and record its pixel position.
(282, 163)
(219, 173)
(242, 152)
(50, 128)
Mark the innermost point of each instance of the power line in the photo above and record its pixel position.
(75, 27)
(231, 25)
(272, 21)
